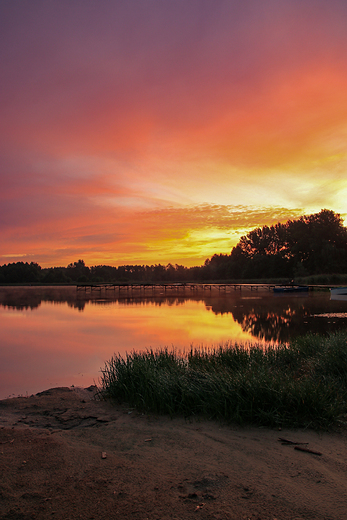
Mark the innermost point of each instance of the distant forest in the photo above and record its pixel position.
(310, 245)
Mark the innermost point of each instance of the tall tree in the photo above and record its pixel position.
(312, 244)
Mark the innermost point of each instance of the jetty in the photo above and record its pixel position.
(183, 288)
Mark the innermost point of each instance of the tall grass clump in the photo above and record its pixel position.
(301, 384)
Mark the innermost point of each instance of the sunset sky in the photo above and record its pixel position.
(156, 131)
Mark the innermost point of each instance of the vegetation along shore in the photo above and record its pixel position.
(303, 384)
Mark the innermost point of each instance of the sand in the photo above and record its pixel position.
(66, 455)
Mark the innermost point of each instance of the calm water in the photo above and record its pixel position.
(61, 337)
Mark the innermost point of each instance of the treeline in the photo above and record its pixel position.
(78, 272)
(310, 245)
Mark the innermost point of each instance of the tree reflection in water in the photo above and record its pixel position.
(280, 318)
(267, 317)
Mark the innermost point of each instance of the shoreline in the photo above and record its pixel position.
(65, 454)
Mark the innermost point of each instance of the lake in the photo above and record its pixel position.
(58, 336)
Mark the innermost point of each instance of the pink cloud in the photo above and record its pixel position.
(120, 119)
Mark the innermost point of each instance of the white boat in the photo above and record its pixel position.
(338, 293)
(338, 290)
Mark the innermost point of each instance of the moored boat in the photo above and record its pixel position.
(290, 288)
(337, 292)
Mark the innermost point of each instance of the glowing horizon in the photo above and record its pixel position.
(144, 133)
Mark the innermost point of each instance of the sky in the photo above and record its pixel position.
(157, 131)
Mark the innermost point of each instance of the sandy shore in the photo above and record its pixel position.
(65, 455)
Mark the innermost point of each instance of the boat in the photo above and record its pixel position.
(338, 291)
(290, 289)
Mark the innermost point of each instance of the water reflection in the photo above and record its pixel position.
(266, 317)
(281, 318)
(56, 336)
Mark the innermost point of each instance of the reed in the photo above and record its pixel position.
(301, 384)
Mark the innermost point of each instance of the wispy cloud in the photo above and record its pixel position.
(162, 131)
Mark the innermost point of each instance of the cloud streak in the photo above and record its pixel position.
(144, 132)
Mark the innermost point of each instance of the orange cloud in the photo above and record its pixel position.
(176, 235)
(152, 133)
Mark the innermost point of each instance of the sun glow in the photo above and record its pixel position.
(122, 141)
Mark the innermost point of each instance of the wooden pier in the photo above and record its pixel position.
(123, 289)
(145, 288)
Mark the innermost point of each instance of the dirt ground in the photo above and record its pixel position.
(66, 455)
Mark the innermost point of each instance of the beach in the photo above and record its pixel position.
(65, 454)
